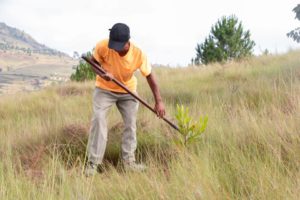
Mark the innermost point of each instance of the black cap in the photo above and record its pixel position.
(118, 36)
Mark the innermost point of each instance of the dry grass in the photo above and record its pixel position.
(250, 149)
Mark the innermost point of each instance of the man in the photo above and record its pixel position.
(120, 58)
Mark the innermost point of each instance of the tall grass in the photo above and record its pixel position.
(250, 150)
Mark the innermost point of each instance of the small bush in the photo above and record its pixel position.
(83, 71)
(189, 131)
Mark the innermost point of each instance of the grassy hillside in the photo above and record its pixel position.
(250, 150)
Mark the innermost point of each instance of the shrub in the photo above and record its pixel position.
(190, 131)
(83, 71)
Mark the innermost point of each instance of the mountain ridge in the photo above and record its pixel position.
(14, 39)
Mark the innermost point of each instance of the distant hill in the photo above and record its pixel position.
(17, 40)
(18, 49)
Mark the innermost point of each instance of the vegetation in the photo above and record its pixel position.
(189, 131)
(250, 148)
(227, 41)
(14, 39)
(295, 34)
(83, 71)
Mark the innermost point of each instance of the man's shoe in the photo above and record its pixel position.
(134, 167)
(90, 169)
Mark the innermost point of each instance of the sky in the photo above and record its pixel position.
(166, 30)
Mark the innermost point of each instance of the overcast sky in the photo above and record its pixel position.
(167, 30)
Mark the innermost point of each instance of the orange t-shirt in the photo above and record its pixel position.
(122, 68)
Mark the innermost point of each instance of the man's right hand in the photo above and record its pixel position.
(160, 109)
(107, 76)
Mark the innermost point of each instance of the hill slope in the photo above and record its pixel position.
(18, 49)
(250, 149)
(14, 39)
(26, 64)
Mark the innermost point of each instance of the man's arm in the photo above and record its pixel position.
(159, 106)
(107, 76)
(94, 60)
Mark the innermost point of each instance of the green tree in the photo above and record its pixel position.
(295, 34)
(83, 71)
(227, 40)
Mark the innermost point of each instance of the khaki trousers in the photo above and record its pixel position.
(128, 106)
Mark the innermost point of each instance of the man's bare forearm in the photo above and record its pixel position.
(106, 76)
(154, 87)
(94, 60)
(159, 106)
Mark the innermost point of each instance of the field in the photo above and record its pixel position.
(10, 60)
(250, 149)
(20, 72)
